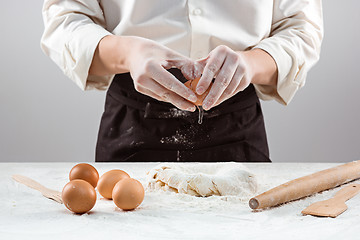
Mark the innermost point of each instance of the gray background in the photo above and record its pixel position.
(46, 117)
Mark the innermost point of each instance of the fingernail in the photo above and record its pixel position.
(200, 90)
(193, 98)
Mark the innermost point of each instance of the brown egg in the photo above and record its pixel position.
(108, 180)
(128, 194)
(79, 196)
(85, 172)
(192, 85)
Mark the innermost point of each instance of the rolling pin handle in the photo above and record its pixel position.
(253, 203)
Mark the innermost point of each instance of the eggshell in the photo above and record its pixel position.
(192, 85)
(128, 194)
(79, 196)
(108, 180)
(85, 172)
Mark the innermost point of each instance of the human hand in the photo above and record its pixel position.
(148, 62)
(231, 72)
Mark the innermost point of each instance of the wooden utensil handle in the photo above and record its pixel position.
(29, 182)
(46, 192)
(307, 185)
(347, 192)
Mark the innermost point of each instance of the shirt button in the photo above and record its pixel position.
(197, 11)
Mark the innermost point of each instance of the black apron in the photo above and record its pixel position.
(138, 128)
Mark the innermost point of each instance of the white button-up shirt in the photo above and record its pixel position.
(291, 31)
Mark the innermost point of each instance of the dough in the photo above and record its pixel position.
(203, 179)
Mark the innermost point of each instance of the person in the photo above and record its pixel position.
(142, 52)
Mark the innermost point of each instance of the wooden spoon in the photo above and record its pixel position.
(46, 192)
(333, 207)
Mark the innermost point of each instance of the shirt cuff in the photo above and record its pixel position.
(78, 55)
(290, 76)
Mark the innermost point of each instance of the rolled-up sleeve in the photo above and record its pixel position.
(72, 32)
(294, 43)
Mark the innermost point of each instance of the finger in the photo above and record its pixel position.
(140, 86)
(167, 96)
(244, 83)
(222, 81)
(149, 93)
(190, 71)
(230, 90)
(170, 82)
(193, 70)
(175, 59)
(201, 63)
(185, 64)
(212, 67)
(198, 69)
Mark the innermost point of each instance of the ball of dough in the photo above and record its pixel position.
(204, 179)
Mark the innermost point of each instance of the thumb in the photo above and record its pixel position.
(194, 69)
(201, 63)
(191, 71)
(186, 65)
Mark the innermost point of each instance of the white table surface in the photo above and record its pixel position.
(26, 214)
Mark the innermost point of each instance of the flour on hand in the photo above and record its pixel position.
(203, 179)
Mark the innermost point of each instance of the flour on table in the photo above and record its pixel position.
(203, 179)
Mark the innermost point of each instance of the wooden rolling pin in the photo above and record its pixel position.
(307, 185)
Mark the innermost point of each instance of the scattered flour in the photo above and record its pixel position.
(175, 113)
(26, 214)
(179, 138)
